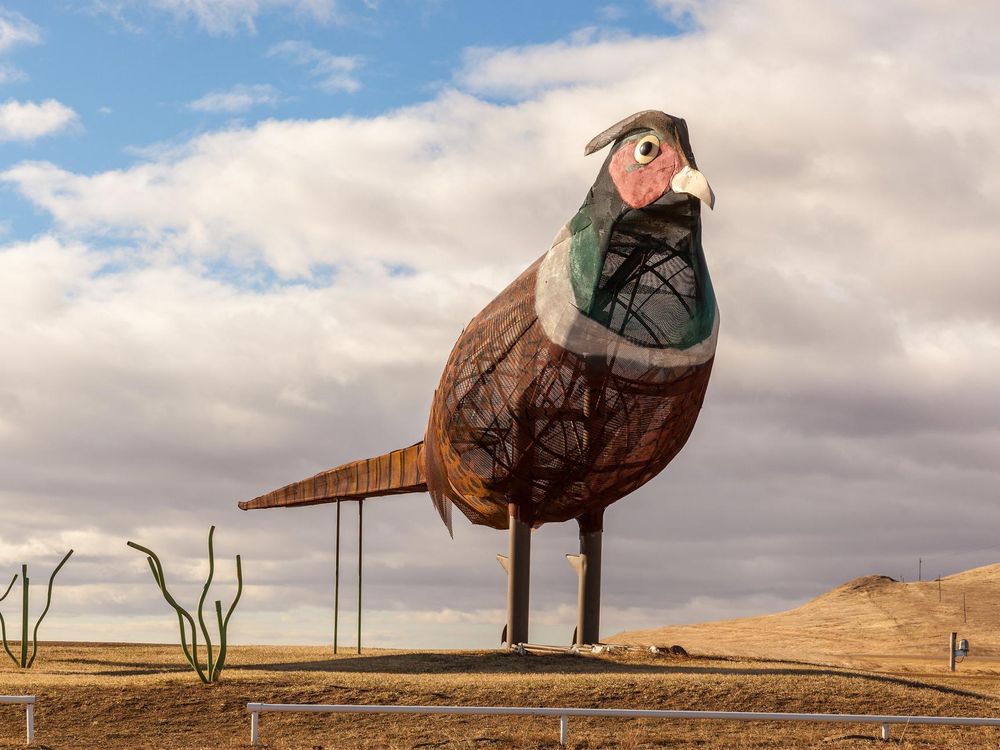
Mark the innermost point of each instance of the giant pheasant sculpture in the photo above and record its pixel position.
(580, 381)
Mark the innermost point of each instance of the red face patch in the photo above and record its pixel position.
(641, 184)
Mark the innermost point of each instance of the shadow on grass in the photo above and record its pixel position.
(564, 664)
(497, 662)
(122, 668)
(500, 662)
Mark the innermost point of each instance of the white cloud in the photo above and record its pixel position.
(16, 30)
(26, 121)
(239, 98)
(218, 319)
(333, 73)
(219, 16)
(300, 194)
(681, 11)
(11, 74)
(587, 58)
(611, 12)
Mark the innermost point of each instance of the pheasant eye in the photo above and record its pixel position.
(647, 149)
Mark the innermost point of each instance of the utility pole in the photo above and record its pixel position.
(920, 568)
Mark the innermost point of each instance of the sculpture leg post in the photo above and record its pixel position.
(336, 581)
(588, 616)
(361, 518)
(519, 566)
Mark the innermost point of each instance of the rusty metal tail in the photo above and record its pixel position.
(395, 473)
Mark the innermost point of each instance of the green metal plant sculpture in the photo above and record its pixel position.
(25, 662)
(212, 670)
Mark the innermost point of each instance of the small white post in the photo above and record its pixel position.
(563, 729)
(30, 718)
(885, 731)
(254, 729)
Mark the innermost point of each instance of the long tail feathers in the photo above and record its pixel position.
(395, 473)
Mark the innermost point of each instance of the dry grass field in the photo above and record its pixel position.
(871, 622)
(859, 649)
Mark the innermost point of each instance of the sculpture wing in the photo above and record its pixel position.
(396, 473)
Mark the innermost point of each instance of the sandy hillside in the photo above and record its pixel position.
(872, 616)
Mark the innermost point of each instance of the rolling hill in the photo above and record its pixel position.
(869, 617)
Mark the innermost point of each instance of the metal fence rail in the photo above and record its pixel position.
(256, 709)
(29, 710)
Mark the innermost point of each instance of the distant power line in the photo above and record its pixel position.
(938, 558)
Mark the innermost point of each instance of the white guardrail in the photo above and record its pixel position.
(29, 710)
(256, 709)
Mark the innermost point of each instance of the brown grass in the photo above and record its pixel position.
(872, 622)
(143, 696)
(870, 646)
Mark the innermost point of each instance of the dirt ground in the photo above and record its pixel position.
(117, 696)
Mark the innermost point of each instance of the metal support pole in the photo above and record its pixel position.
(563, 730)
(254, 728)
(589, 617)
(361, 518)
(952, 645)
(588, 567)
(579, 564)
(24, 616)
(504, 563)
(885, 731)
(336, 581)
(30, 718)
(518, 574)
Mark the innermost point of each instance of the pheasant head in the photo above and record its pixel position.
(636, 263)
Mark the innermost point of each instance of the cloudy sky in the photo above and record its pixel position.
(239, 237)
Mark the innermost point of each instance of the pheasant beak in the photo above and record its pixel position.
(693, 182)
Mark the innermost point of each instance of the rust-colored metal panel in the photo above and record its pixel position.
(369, 477)
(591, 429)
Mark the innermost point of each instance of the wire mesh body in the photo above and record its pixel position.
(519, 419)
(653, 289)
